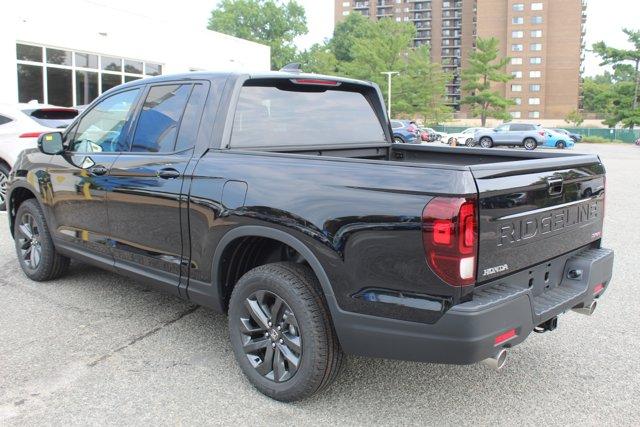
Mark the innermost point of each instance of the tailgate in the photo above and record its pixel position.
(535, 210)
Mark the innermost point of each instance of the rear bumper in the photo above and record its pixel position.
(466, 333)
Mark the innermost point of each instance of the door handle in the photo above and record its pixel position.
(98, 170)
(168, 173)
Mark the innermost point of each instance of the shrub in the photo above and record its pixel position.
(593, 139)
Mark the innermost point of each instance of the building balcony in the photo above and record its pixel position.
(420, 18)
(452, 5)
(419, 8)
(361, 5)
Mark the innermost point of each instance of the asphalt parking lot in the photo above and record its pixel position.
(96, 348)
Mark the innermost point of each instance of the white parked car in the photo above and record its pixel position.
(463, 138)
(20, 127)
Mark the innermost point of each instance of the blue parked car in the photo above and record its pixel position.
(403, 133)
(557, 139)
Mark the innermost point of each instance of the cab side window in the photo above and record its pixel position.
(159, 120)
(101, 129)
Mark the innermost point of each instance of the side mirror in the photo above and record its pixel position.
(51, 143)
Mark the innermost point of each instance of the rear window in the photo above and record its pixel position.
(269, 116)
(53, 117)
(4, 120)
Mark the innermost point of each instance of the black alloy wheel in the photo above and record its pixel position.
(38, 256)
(271, 336)
(29, 241)
(281, 331)
(561, 145)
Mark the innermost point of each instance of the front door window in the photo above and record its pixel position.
(101, 129)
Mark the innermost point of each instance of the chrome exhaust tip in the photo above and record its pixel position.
(588, 310)
(497, 362)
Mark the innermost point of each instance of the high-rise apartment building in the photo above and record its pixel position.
(448, 26)
(544, 38)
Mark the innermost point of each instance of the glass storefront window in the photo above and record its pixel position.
(110, 80)
(133, 67)
(152, 69)
(86, 87)
(59, 86)
(111, 64)
(86, 60)
(25, 52)
(30, 84)
(66, 78)
(60, 57)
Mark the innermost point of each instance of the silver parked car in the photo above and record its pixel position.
(514, 134)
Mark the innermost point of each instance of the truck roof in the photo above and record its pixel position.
(212, 75)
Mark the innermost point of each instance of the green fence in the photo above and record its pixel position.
(625, 135)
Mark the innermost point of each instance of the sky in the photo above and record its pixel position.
(605, 19)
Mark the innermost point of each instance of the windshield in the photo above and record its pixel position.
(268, 116)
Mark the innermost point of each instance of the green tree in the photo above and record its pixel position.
(421, 88)
(319, 59)
(627, 114)
(265, 21)
(383, 48)
(355, 26)
(486, 67)
(574, 118)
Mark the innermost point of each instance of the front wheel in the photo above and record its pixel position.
(398, 140)
(561, 145)
(281, 332)
(4, 179)
(486, 142)
(470, 142)
(530, 144)
(38, 257)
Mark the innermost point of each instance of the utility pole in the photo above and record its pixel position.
(389, 74)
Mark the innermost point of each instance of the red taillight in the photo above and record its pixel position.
(450, 237)
(504, 337)
(30, 134)
(320, 82)
(598, 289)
(541, 132)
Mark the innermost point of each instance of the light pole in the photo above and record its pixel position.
(389, 74)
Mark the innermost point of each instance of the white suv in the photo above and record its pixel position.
(20, 127)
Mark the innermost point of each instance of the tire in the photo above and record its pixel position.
(486, 142)
(470, 142)
(310, 339)
(398, 140)
(561, 145)
(4, 178)
(37, 255)
(530, 144)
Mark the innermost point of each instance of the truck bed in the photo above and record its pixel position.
(440, 155)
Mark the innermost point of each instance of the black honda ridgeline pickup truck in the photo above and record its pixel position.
(280, 199)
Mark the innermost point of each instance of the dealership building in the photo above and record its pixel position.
(51, 56)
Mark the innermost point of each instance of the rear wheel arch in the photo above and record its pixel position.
(239, 251)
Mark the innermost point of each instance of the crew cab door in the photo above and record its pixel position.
(145, 200)
(80, 176)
